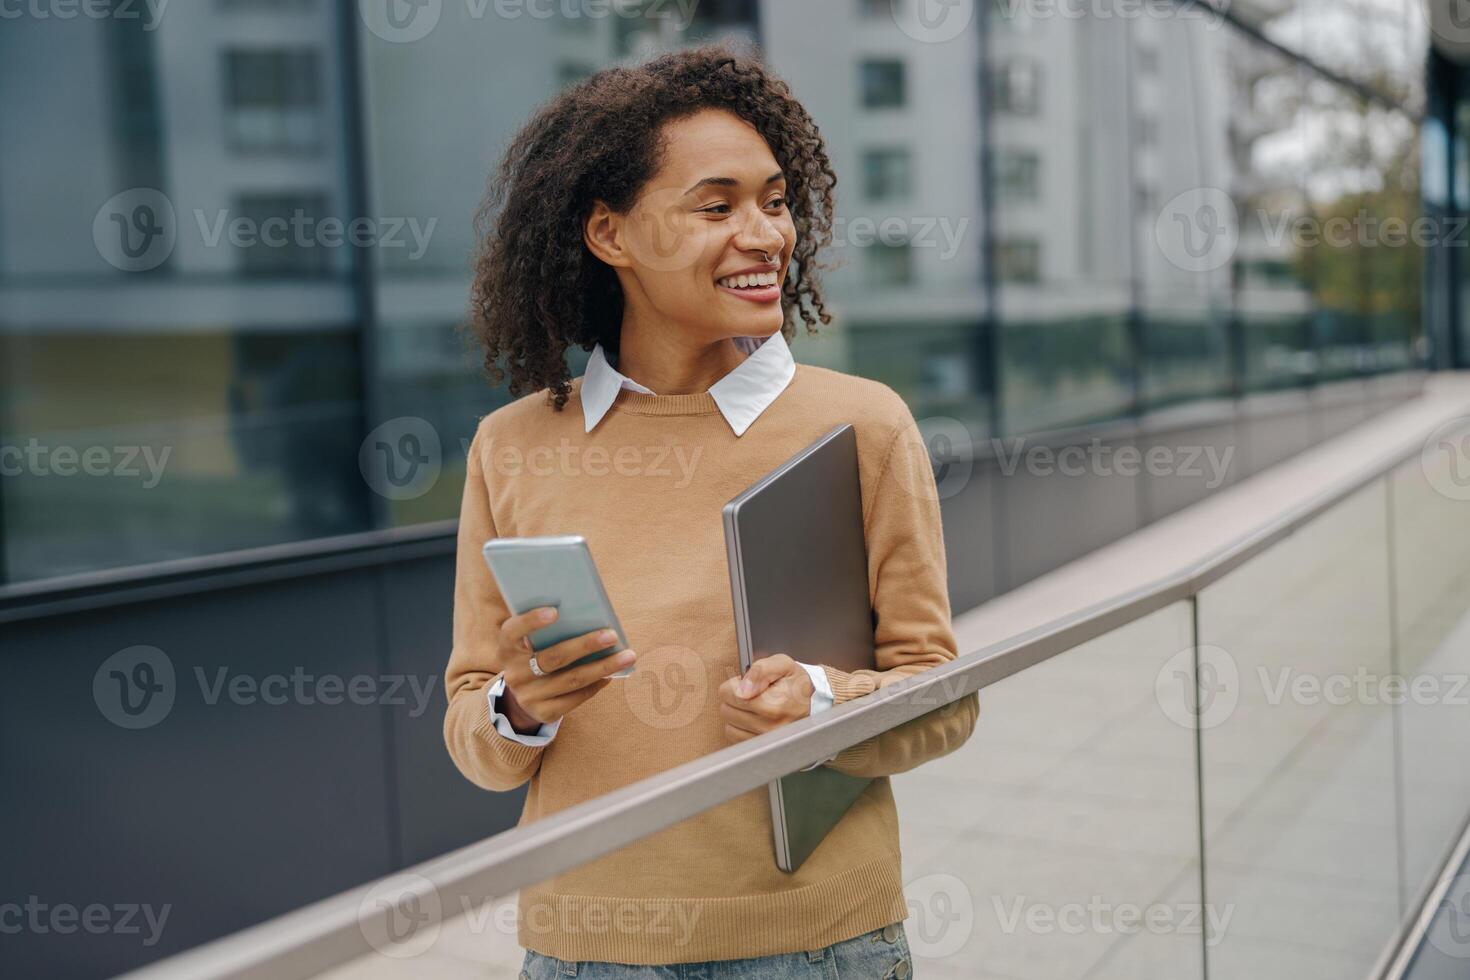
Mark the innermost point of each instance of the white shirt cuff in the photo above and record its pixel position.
(502, 724)
(822, 699)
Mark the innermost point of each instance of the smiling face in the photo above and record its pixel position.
(705, 247)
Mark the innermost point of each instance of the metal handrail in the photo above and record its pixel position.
(328, 933)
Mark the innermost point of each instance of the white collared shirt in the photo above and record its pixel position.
(741, 396)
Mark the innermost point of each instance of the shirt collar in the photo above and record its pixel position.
(741, 396)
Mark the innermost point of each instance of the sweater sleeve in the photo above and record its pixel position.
(485, 757)
(912, 628)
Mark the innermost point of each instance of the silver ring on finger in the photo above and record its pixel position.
(535, 667)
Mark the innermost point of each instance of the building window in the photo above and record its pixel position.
(636, 32)
(282, 230)
(572, 17)
(1010, 15)
(1018, 175)
(886, 174)
(1147, 132)
(1015, 87)
(947, 373)
(1147, 200)
(882, 84)
(571, 72)
(1147, 61)
(889, 264)
(1018, 260)
(272, 6)
(273, 100)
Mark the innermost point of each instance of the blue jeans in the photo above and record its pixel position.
(882, 954)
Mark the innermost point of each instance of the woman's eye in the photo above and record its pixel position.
(780, 201)
(714, 209)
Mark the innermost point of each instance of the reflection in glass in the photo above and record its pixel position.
(178, 359)
(1271, 277)
(1043, 300)
(1062, 264)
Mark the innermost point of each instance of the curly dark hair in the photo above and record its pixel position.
(537, 289)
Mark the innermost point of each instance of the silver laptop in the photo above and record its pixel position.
(799, 578)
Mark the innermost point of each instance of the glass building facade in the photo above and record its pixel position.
(235, 238)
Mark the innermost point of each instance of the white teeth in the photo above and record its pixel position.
(746, 281)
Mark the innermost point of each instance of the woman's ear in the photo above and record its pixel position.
(603, 234)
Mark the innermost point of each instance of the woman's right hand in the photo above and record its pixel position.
(532, 701)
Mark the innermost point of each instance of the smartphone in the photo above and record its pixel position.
(556, 571)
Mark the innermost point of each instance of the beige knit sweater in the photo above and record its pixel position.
(646, 488)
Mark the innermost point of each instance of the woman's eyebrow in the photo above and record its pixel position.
(729, 182)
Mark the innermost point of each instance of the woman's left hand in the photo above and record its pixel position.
(775, 691)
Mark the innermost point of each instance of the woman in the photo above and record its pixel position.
(667, 218)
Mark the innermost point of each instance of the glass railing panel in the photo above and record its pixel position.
(1430, 498)
(1059, 841)
(1043, 845)
(1298, 753)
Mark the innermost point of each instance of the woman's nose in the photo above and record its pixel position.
(760, 234)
